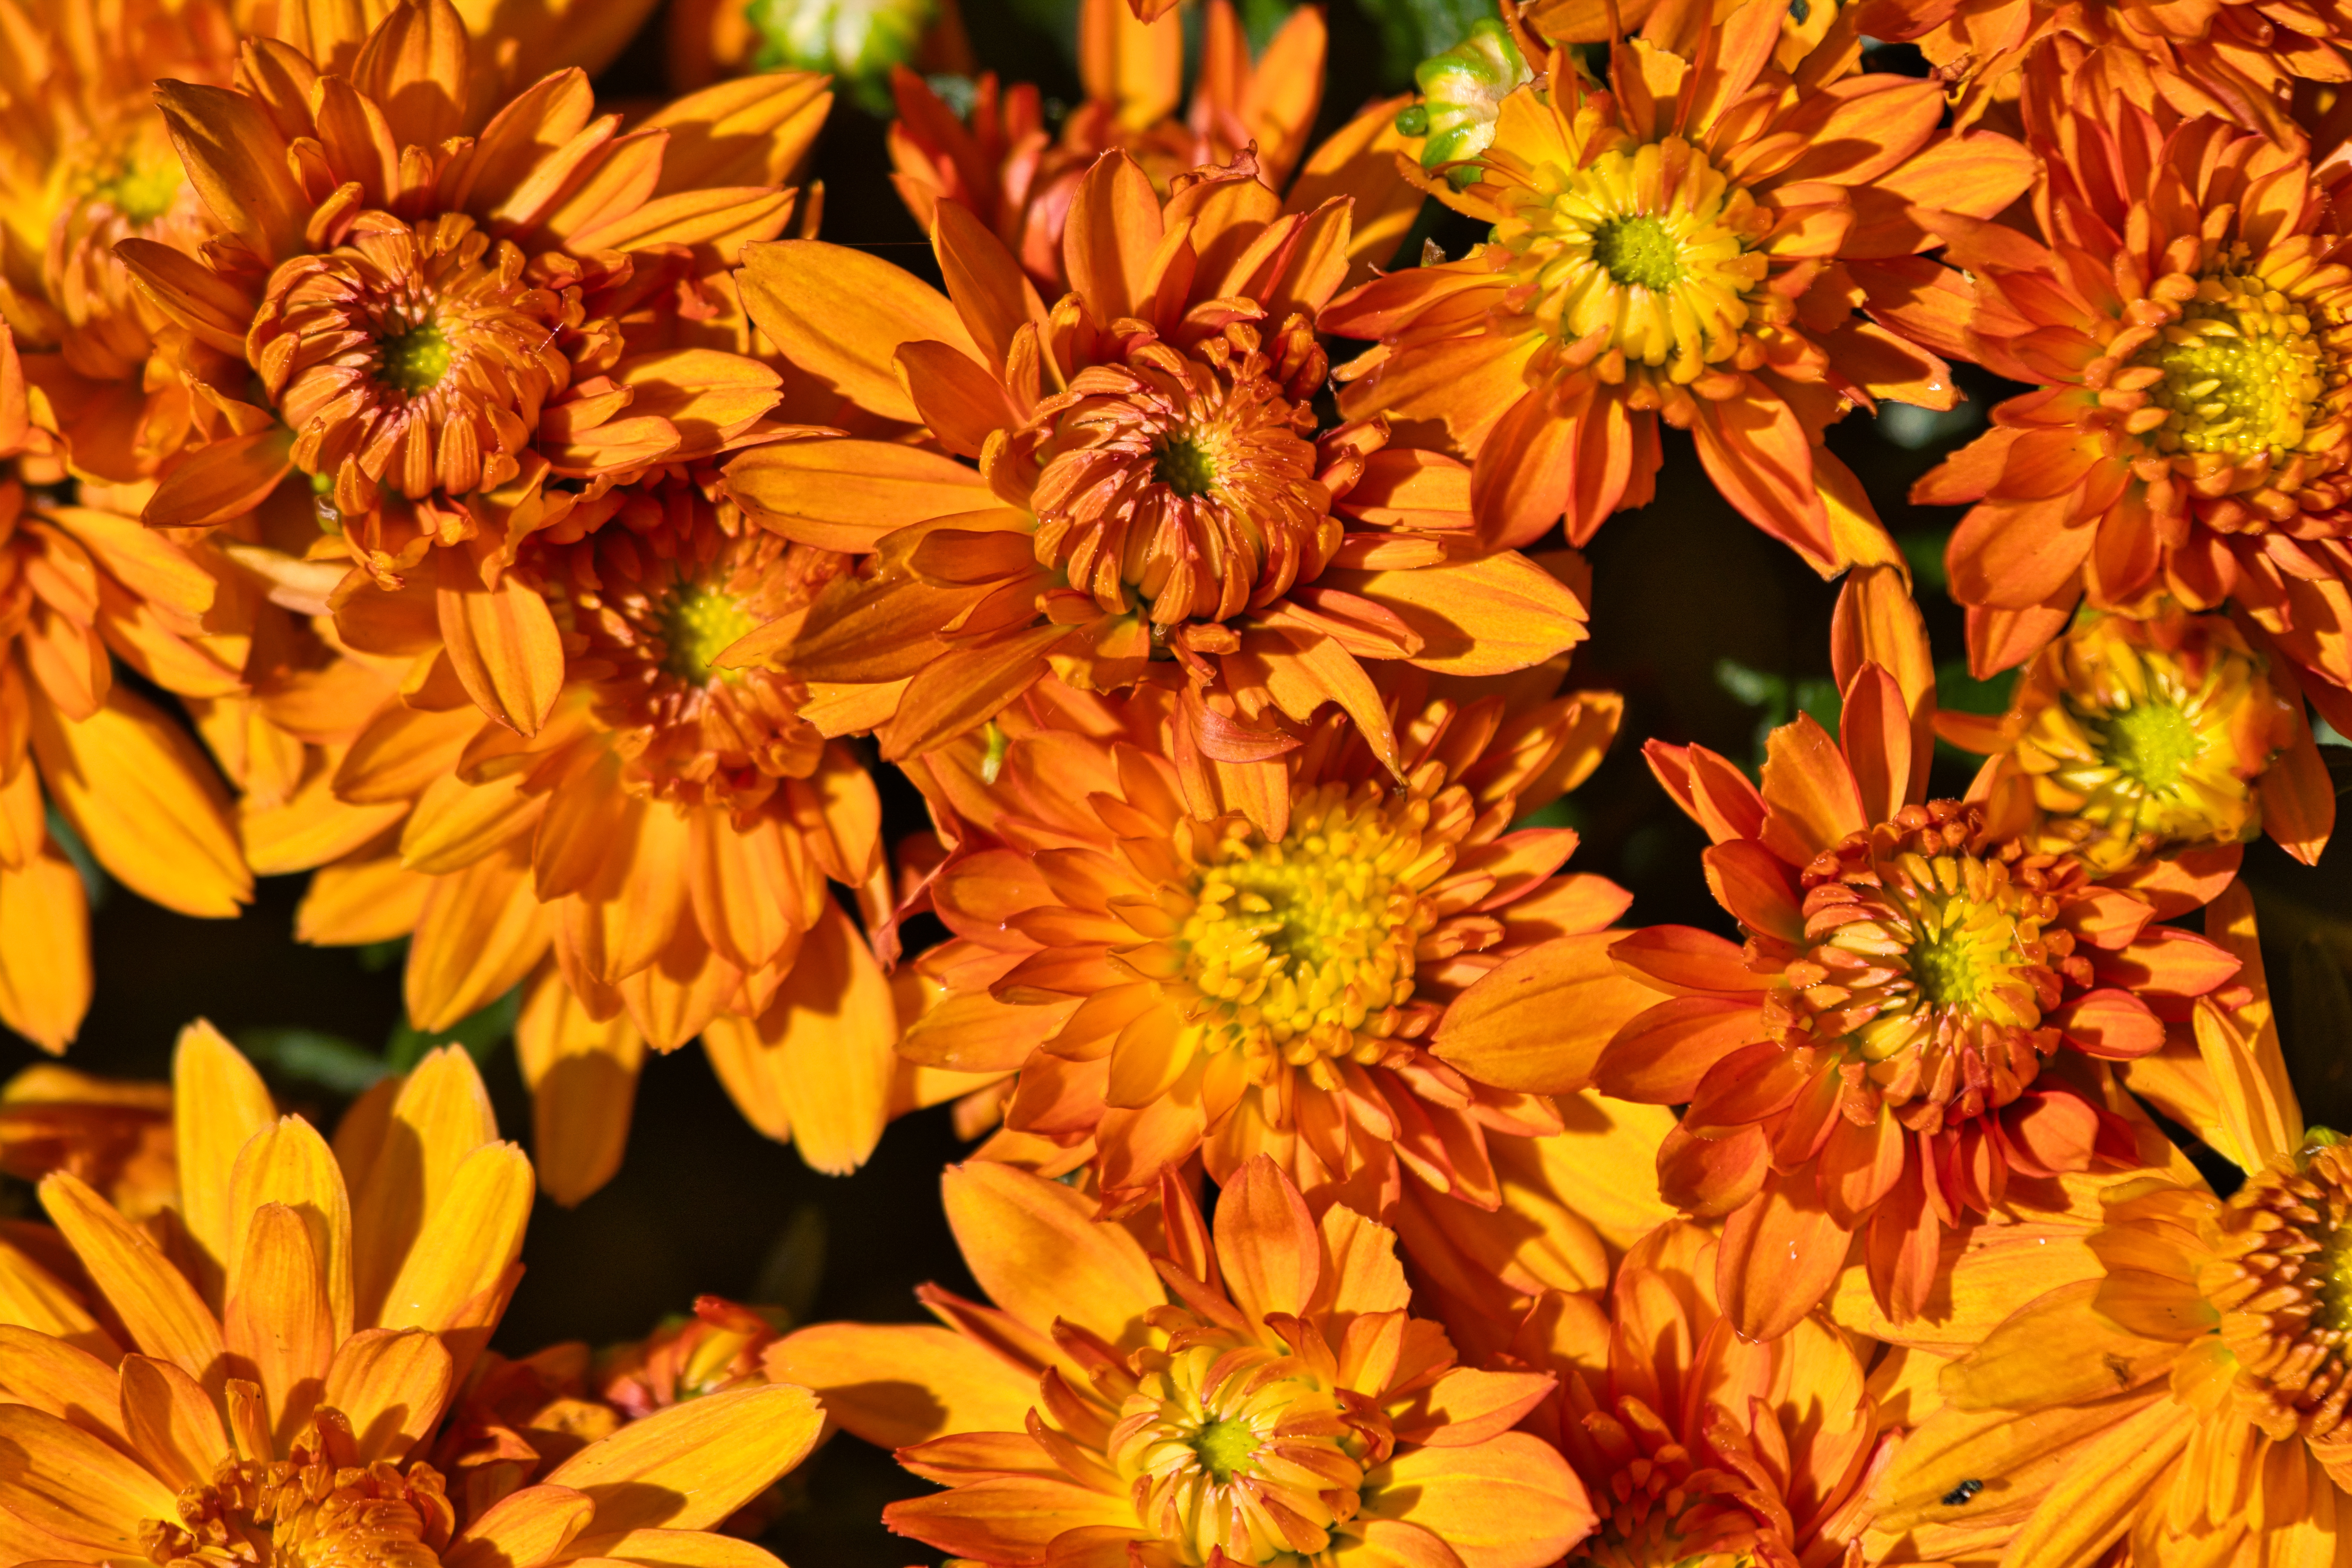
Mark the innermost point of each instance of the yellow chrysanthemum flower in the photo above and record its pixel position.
(256, 1389)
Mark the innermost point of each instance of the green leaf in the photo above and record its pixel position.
(326, 1061)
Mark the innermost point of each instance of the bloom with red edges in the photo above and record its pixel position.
(1916, 1016)
(2184, 319)
(1726, 237)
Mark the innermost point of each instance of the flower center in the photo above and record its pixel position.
(2152, 744)
(1185, 480)
(1186, 465)
(1244, 1450)
(319, 1510)
(415, 360)
(1304, 947)
(1651, 245)
(700, 624)
(2242, 371)
(1639, 250)
(1924, 956)
(142, 188)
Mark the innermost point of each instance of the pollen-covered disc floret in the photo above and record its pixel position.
(1302, 950)
(1236, 1448)
(321, 1508)
(657, 595)
(416, 359)
(1183, 483)
(1930, 963)
(2138, 736)
(1649, 249)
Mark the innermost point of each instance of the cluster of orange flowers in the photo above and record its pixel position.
(513, 515)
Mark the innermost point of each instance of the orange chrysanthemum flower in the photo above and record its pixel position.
(1697, 1444)
(79, 587)
(2126, 739)
(653, 863)
(461, 324)
(2172, 1384)
(2187, 324)
(1154, 499)
(85, 161)
(282, 1380)
(1169, 972)
(1916, 1015)
(1000, 164)
(1260, 1397)
(1725, 239)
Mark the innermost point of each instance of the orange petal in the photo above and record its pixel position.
(393, 1385)
(1781, 1253)
(1538, 1022)
(170, 1421)
(845, 495)
(71, 1484)
(157, 1306)
(900, 1384)
(1035, 1247)
(840, 315)
(503, 643)
(277, 1322)
(1111, 235)
(522, 1530)
(1508, 1502)
(237, 160)
(584, 1082)
(690, 1465)
(45, 977)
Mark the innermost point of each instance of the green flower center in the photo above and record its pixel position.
(1639, 251)
(1962, 950)
(142, 189)
(2240, 371)
(2152, 744)
(415, 360)
(1186, 465)
(1224, 1447)
(699, 625)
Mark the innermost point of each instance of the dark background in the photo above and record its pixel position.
(1712, 631)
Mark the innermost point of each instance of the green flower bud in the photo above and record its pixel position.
(858, 41)
(1462, 92)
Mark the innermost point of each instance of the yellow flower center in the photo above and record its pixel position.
(1303, 948)
(700, 624)
(1243, 1450)
(2150, 742)
(308, 1512)
(1651, 245)
(1188, 464)
(2242, 371)
(1925, 957)
(415, 360)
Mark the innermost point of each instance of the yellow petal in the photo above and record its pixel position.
(503, 645)
(217, 1102)
(158, 1307)
(1037, 1251)
(690, 1465)
(470, 1239)
(753, 130)
(440, 1116)
(834, 1025)
(68, 1382)
(584, 1082)
(482, 931)
(680, 1549)
(44, 979)
(393, 1383)
(142, 796)
(897, 1385)
(172, 1422)
(364, 899)
(289, 1163)
(522, 1530)
(278, 1323)
(61, 1479)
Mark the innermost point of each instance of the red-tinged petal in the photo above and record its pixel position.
(1811, 798)
(1757, 886)
(1781, 1253)
(1526, 471)
(2112, 1024)
(2168, 962)
(1685, 961)
(1859, 1165)
(1756, 451)
(1874, 734)
(1746, 1086)
(1659, 1056)
(1710, 1177)
(2051, 1132)
(2013, 557)
(1538, 1022)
